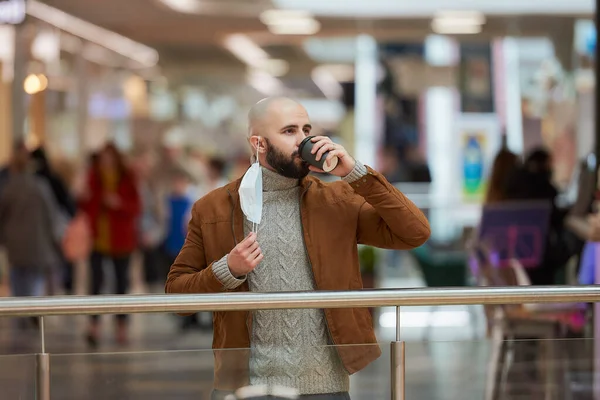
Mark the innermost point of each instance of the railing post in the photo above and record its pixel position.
(398, 364)
(42, 381)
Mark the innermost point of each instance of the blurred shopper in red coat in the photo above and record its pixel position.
(112, 205)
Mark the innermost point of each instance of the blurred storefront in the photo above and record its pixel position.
(65, 81)
(416, 90)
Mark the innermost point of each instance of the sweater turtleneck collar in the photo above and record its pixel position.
(272, 181)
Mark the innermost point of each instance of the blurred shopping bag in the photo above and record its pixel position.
(77, 240)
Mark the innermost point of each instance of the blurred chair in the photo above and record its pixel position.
(513, 327)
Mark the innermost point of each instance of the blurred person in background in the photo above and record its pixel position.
(588, 259)
(214, 178)
(241, 163)
(215, 174)
(533, 181)
(391, 168)
(179, 206)
(4, 175)
(29, 230)
(505, 164)
(113, 207)
(66, 212)
(153, 193)
(390, 165)
(414, 165)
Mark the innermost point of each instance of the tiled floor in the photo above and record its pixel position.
(446, 356)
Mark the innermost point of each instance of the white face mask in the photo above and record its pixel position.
(251, 196)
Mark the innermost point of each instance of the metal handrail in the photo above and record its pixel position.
(123, 304)
(159, 303)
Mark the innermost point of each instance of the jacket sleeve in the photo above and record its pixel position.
(190, 273)
(387, 218)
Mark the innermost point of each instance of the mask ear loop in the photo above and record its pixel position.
(254, 224)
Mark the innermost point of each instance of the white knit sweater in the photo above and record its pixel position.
(289, 348)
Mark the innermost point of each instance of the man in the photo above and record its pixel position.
(307, 240)
(29, 229)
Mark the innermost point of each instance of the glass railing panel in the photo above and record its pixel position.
(132, 375)
(504, 369)
(556, 369)
(499, 369)
(17, 377)
(530, 358)
(191, 374)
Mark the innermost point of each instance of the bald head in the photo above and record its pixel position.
(263, 113)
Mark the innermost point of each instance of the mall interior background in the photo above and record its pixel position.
(419, 90)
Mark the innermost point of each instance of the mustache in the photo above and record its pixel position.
(297, 154)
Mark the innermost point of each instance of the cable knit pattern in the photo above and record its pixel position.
(289, 347)
(223, 274)
(358, 172)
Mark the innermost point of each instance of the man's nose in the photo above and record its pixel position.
(299, 138)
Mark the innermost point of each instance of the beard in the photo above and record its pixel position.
(289, 166)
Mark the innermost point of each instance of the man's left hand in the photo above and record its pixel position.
(345, 162)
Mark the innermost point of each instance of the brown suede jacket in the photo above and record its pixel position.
(335, 217)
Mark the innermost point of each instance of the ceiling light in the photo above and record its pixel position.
(443, 28)
(43, 81)
(46, 46)
(264, 83)
(183, 6)
(144, 55)
(460, 17)
(99, 55)
(246, 50)
(35, 83)
(246, 9)
(458, 22)
(425, 9)
(277, 17)
(290, 22)
(300, 27)
(275, 67)
(12, 12)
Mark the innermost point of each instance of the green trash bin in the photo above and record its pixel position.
(442, 267)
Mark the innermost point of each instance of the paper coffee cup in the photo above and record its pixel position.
(305, 153)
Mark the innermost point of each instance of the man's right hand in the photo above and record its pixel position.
(245, 256)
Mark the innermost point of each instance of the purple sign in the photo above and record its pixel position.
(516, 230)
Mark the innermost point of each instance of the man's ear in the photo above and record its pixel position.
(257, 142)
